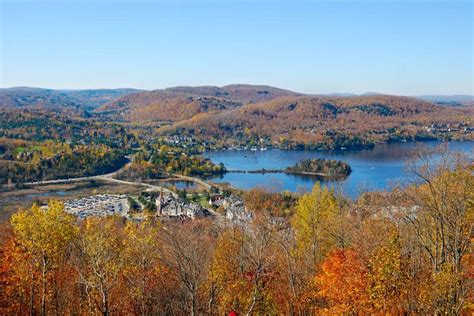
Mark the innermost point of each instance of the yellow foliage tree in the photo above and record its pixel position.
(142, 254)
(100, 263)
(225, 282)
(45, 235)
(386, 277)
(314, 213)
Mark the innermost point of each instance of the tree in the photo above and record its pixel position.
(226, 285)
(342, 282)
(134, 206)
(182, 194)
(187, 249)
(18, 281)
(275, 204)
(386, 277)
(45, 235)
(314, 211)
(100, 262)
(206, 195)
(260, 253)
(245, 273)
(440, 211)
(142, 266)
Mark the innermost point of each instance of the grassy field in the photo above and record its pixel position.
(203, 201)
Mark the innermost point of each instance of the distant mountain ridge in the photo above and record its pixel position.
(39, 98)
(175, 103)
(447, 98)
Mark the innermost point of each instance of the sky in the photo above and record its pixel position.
(396, 47)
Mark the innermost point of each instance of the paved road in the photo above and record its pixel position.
(104, 177)
(110, 178)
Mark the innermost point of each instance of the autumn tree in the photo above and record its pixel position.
(246, 272)
(314, 211)
(100, 262)
(143, 268)
(187, 250)
(440, 210)
(343, 283)
(45, 236)
(386, 276)
(19, 282)
(260, 255)
(275, 204)
(228, 290)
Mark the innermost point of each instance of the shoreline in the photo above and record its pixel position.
(350, 149)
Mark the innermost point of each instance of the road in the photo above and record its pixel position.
(109, 177)
(104, 177)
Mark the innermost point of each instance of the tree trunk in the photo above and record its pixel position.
(193, 304)
(32, 294)
(43, 289)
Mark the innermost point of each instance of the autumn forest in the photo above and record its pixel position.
(403, 252)
(236, 158)
(220, 249)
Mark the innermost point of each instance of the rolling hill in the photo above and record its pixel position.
(49, 99)
(247, 113)
(178, 103)
(310, 120)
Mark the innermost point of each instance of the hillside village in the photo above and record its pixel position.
(164, 205)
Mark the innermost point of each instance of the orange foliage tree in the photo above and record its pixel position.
(343, 283)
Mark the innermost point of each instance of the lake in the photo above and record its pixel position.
(374, 169)
(178, 184)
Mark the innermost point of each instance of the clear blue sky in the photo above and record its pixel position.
(397, 47)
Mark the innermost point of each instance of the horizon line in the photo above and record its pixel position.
(243, 84)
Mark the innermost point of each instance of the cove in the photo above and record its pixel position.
(380, 168)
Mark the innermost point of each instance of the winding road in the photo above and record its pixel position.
(109, 177)
(104, 177)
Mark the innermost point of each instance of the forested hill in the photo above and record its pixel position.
(38, 98)
(178, 103)
(131, 102)
(338, 121)
(246, 114)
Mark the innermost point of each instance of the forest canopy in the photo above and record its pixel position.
(402, 252)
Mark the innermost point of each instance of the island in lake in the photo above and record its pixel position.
(327, 169)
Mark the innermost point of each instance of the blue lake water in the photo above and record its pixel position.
(178, 184)
(376, 169)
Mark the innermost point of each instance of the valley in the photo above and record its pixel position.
(54, 134)
(236, 158)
